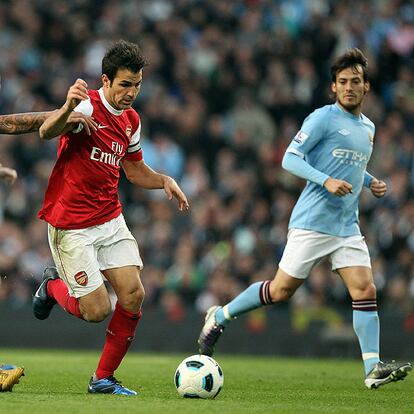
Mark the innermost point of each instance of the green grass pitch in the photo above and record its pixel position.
(56, 382)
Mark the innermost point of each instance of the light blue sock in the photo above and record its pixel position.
(366, 326)
(255, 296)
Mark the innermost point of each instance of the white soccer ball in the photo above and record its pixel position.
(199, 376)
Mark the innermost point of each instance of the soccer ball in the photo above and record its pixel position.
(198, 376)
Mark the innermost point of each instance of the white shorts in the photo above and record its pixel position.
(80, 255)
(305, 249)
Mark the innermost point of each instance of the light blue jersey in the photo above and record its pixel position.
(336, 144)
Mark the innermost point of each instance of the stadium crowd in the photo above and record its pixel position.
(227, 86)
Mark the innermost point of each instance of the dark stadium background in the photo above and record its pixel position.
(227, 87)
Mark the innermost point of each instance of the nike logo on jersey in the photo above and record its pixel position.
(100, 126)
(344, 132)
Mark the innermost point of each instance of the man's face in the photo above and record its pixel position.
(350, 88)
(124, 89)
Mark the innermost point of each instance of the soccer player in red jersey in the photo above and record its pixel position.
(88, 236)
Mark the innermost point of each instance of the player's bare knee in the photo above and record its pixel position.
(98, 316)
(140, 294)
(132, 301)
(371, 291)
(280, 293)
(367, 291)
(96, 313)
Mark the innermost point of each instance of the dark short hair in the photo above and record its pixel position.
(122, 55)
(350, 59)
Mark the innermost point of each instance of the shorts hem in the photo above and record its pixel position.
(78, 294)
(139, 265)
(291, 275)
(334, 269)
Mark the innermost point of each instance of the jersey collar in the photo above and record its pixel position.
(108, 106)
(348, 114)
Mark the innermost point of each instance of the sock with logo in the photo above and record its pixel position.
(119, 335)
(366, 326)
(57, 290)
(255, 296)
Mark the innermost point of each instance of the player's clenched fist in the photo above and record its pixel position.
(77, 92)
(61, 120)
(378, 188)
(338, 187)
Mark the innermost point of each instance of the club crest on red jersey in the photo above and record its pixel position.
(128, 131)
(81, 278)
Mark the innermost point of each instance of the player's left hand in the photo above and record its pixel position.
(172, 189)
(8, 174)
(378, 188)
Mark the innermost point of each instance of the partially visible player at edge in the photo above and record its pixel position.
(88, 236)
(16, 124)
(9, 376)
(331, 152)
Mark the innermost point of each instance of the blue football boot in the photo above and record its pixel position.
(7, 366)
(42, 303)
(109, 385)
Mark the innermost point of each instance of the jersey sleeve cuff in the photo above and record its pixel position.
(323, 179)
(367, 179)
(296, 152)
(133, 156)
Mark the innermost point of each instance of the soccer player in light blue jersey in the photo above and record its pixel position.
(331, 151)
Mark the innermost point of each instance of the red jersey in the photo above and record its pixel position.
(83, 187)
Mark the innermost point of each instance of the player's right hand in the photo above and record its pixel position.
(77, 92)
(89, 124)
(339, 188)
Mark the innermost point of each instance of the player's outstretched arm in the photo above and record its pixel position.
(144, 176)
(15, 124)
(57, 123)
